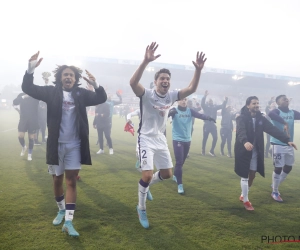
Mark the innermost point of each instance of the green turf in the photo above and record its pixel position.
(208, 216)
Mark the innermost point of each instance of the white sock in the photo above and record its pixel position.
(283, 175)
(276, 181)
(142, 196)
(248, 191)
(245, 188)
(156, 178)
(69, 215)
(61, 205)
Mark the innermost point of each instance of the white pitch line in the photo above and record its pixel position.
(7, 130)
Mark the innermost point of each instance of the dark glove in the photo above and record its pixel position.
(172, 112)
(211, 119)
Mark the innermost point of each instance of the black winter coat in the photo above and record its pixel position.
(245, 133)
(102, 116)
(53, 96)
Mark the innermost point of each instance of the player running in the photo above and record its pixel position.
(155, 104)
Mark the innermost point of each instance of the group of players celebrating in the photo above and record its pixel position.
(68, 132)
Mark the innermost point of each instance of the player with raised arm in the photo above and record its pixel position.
(154, 107)
(210, 109)
(68, 131)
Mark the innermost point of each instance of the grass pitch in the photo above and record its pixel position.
(208, 216)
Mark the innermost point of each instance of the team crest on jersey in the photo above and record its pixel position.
(144, 162)
(162, 113)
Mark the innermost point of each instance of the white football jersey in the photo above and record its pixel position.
(154, 110)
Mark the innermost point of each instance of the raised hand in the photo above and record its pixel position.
(91, 80)
(206, 93)
(35, 58)
(199, 64)
(149, 53)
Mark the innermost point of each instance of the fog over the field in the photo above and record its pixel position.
(256, 36)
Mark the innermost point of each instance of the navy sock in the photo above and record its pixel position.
(22, 141)
(70, 206)
(30, 146)
(59, 198)
(143, 184)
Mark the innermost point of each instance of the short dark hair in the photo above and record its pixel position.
(250, 98)
(278, 97)
(58, 72)
(160, 72)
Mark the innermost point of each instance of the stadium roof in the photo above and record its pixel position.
(237, 73)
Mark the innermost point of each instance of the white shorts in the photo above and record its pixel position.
(283, 155)
(154, 150)
(253, 162)
(69, 158)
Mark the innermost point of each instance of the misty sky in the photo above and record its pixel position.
(257, 35)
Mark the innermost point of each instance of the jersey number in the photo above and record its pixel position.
(144, 154)
(277, 156)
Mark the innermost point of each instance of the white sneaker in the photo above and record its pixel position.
(180, 189)
(111, 151)
(101, 151)
(23, 151)
(29, 158)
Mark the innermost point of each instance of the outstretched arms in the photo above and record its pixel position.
(202, 116)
